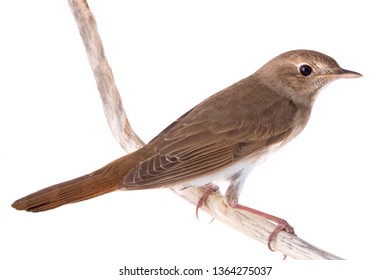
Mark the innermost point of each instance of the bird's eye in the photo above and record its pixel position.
(305, 70)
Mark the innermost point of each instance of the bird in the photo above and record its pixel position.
(222, 138)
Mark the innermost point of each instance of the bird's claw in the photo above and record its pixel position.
(209, 188)
(281, 225)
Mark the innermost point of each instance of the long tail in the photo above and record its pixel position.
(97, 183)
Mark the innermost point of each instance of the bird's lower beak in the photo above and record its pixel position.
(348, 74)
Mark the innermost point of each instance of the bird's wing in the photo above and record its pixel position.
(205, 139)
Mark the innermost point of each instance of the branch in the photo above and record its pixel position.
(247, 223)
(112, 102)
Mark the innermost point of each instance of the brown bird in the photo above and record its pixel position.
(222, 138)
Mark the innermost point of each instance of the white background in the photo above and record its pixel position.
(167, 56)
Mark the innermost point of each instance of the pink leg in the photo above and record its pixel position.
(209, 189)
(280, 223)
(231, 199)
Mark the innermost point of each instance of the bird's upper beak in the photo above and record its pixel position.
(347, 74)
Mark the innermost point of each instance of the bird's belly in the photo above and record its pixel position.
(242, 168)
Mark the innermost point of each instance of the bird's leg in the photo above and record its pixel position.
(280, 223)
(209, 188)
(231, 199)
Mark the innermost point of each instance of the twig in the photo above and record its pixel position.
(251, 225)
(112, 102)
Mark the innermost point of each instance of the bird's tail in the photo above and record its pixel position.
(102, 181)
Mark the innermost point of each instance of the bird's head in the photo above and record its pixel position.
(301, 74)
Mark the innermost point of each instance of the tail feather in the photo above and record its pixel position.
(82, 188)
(102, 181)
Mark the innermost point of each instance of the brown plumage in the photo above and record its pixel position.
(223, 137)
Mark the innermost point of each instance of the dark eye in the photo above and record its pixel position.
(305, 70)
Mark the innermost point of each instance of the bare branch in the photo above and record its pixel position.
(251, 225)
(111, 99)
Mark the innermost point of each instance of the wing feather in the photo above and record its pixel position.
(212, 136)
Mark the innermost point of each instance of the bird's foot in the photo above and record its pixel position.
(280, 223)
(209, 188)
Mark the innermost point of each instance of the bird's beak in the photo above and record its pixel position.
(347, 74)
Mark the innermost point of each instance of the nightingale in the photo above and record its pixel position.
(222, 138)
